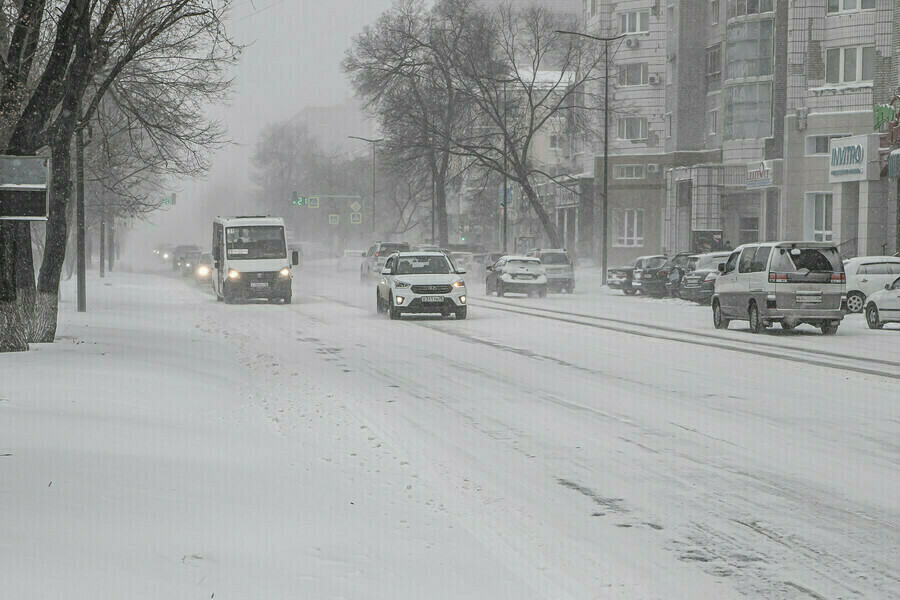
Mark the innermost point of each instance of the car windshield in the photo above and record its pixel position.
(387, 249)
(192, 257)
(554, 258)
(520, 263)
(422, 265)
(707, 261)
(255, 242)
(206, 259)
(809, 265)
(654, 262)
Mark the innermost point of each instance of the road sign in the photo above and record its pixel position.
(356, 206)
(24, 188)
(169, 200)
(314, 203)
(355, 218)
(334, 219)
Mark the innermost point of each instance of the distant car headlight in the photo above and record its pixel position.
(202, 271)
(459, 284)
(284, 272)
(401, 284)
(232, 274)
(187, 265)
(166, 255)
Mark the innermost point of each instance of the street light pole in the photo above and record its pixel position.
(373, 142)
(505, 193)
(605, 237)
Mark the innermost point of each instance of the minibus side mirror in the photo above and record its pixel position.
(295, 258)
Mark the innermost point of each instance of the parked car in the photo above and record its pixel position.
(203, 269)
(883, 306)
(190, 262)
(785, 282)
(673, 271)
(377, 255)
(516, 274)
(620, 278)
(699, 281)
(559, 267)
(463, 260)
(421, 282)
(867, 275)
(641, 274)
(350, 260)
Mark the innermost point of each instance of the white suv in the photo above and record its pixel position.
(421, 282)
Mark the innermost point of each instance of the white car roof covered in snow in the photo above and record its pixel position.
(249, 221)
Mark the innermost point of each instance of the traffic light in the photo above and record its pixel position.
(173, 198)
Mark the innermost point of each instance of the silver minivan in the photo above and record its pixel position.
(785, 282)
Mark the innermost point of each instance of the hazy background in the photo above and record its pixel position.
(292, 61)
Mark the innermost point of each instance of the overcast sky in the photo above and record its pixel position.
(293, 60)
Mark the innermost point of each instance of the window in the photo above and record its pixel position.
(850, 65)
(748, 111)
(714, 12)
(635, 74)
(818, 144)
(629, 224)
(670, 18)
(628, 172)
(750, 49)
(713, 62)
(731, 264)
(668, 119)
(713, 122)
(749, 230)
(554, 142)
(839, 6)
(822, 216)
(632, 128)
(746, 259)
(742, 8)
(760, 259)
(636, 21)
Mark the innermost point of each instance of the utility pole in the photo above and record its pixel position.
(373, 142)
(102, 237)
(505, 192)
(605, 236)
(79, 209)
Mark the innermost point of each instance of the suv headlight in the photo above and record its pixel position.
(401, 284)
(284, 272)
(459, 284)
(232, 274)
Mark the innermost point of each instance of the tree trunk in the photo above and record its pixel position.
(535, 203)
(13, 336)
(25, 284)
(440, 207)
(110, 245)
(46, 308)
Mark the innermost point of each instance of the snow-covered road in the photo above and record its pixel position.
(517, 454)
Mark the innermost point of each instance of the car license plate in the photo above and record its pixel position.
(260, 284)
(637, 275)
(809, 299)
(432, 299)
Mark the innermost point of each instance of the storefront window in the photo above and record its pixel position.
(748, 111)
(749, 230)
(750, 49)
(821, 205)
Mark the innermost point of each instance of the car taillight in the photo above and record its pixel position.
(663, 273)
(838, 278)
(777, 277)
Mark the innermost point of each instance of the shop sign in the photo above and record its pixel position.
(849, 158)
(760, 174)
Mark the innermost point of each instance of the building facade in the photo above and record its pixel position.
(735, 119)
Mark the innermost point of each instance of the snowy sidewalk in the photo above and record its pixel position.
(142, 456)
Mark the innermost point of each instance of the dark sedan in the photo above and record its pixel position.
(647, 279)
(620, 278)
(699, 282)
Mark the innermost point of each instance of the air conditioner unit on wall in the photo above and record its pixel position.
(652, 79)
(653, 168)
(632, 43)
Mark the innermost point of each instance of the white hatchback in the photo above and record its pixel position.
(421, 282)
(867, 275)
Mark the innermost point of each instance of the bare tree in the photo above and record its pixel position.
(525, 82)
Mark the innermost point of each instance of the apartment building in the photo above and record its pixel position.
(734, 121)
